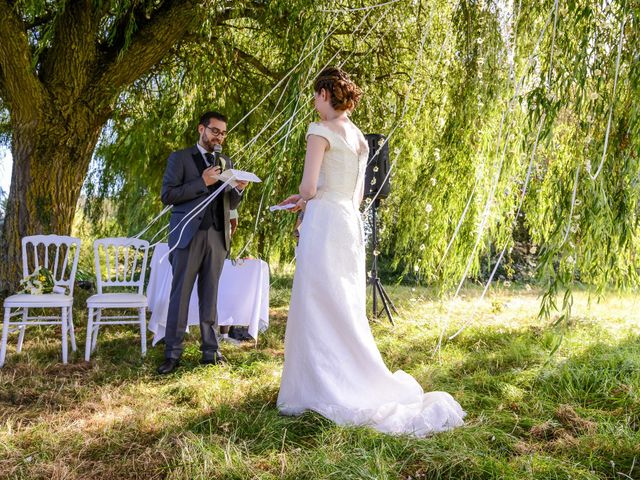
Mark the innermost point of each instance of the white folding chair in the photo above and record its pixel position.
(59, 254)
(119, 263)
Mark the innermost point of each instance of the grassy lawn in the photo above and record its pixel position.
(573, 415)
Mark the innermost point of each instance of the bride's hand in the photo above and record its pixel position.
(296, 200)
(291, 199)
(301, 204)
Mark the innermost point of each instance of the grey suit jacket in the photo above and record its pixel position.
(184, 188)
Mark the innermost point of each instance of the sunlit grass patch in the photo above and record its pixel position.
(573, 414)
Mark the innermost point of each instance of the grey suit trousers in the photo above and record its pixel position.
(204, 258)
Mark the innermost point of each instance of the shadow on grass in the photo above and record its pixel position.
(508, 382)
(501, 440)
(513, 393)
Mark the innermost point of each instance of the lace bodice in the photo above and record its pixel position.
(342, 170)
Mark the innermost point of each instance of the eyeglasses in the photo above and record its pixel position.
(216, 132)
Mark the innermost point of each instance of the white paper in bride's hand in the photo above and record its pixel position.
(238, 175)
(288, 206)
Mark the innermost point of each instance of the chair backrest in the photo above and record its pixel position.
(57, 253)
(125, 262)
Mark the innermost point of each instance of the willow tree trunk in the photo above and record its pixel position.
(60, 93)
(50, 161)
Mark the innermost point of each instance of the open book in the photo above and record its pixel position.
(234, 175)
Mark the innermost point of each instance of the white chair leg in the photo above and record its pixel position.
(23, 329)
(96, 328)
(5, 334)
(94, 342)
(87, 348)
(64, 335)
(143, 330)
(71, 331)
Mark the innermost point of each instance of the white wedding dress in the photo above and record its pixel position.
(332, 364)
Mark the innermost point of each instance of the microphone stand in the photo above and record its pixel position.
(374, 280)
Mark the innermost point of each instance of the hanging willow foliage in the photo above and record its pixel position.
(500, 115)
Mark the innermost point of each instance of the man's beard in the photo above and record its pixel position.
(208, 144)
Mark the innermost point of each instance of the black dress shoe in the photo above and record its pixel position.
(216, 359)
(240, 333)
(169, 365)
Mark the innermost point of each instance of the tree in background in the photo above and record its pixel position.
(63, 69)
(493, 110)
(500, 114)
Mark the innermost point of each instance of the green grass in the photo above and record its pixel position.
(574, 415)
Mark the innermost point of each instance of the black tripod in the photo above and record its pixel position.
(374, 280)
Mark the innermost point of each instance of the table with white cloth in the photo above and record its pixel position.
(243, 295)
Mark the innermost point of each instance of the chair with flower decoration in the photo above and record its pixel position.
(120, 263)
(44, 257)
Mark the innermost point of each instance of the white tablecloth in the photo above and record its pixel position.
(243, 295)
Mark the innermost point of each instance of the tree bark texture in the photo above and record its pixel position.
(58, 104)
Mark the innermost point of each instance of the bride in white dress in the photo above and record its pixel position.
(332, 364)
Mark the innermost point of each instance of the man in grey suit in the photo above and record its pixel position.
(191, 176)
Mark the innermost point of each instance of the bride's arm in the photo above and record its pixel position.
(316, 146)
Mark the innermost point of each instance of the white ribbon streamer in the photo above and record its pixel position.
(191, 215)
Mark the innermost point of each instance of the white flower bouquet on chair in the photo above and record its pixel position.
(39, 282)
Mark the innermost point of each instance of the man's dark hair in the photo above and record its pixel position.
(204, 119)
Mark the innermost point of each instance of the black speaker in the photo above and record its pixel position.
(376, 177)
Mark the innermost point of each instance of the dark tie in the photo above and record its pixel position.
(210, 158)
